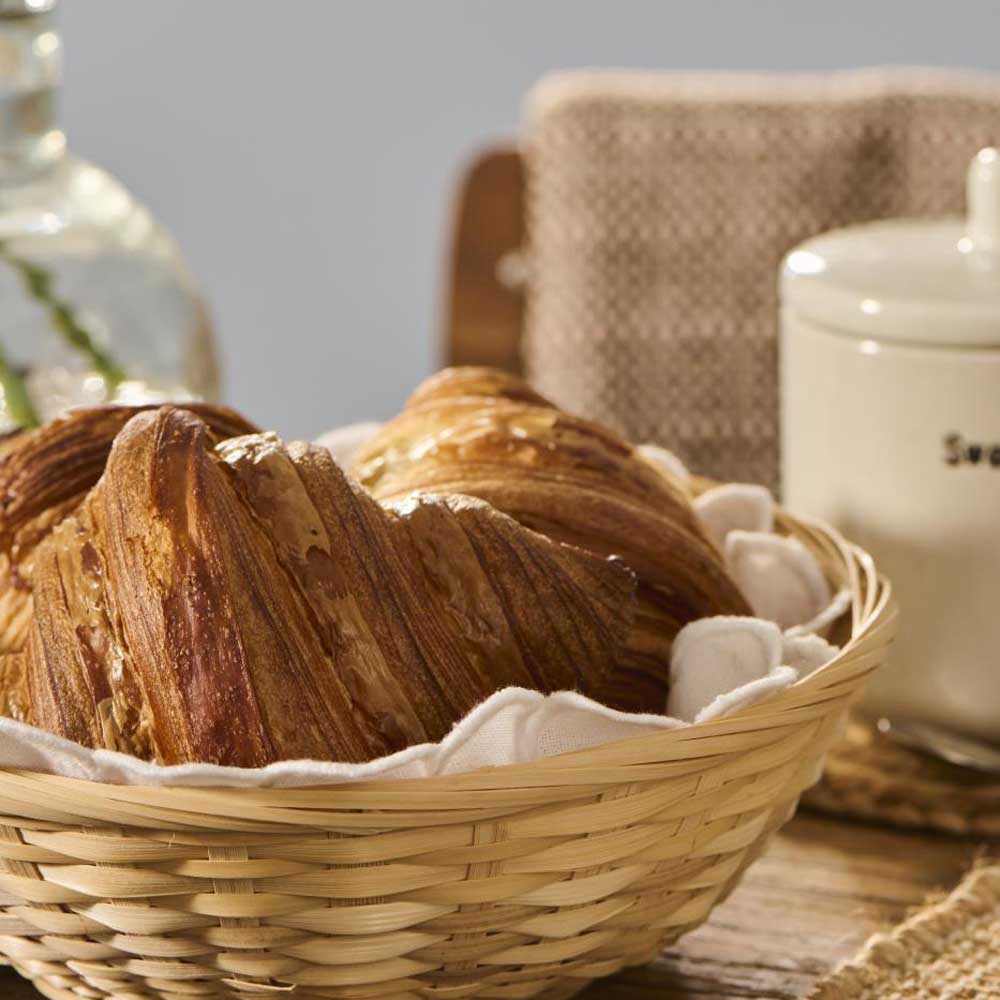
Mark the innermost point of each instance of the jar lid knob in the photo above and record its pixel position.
(983, 201)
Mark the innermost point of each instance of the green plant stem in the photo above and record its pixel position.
(15, 393)
(38, 283)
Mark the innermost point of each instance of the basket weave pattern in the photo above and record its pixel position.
(523, 881)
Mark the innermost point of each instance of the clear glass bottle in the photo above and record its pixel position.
(96, 304)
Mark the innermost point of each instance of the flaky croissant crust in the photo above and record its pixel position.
(487, 434)
(179, 586)
(44, 476)
(247, 603)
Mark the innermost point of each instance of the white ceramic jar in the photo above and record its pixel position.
(890, 354)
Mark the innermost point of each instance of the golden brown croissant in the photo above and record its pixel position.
(243, 602)
(182, 588)
(44, 475)
(487, 434)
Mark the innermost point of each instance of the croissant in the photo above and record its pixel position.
(44, 475)
(179, 586)
(488, 434)
(237, 601)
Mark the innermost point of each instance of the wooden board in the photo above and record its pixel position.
(821, 889)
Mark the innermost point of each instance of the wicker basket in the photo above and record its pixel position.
(523, 881)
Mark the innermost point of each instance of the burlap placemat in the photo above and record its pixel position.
(949, 949)
(869, 776)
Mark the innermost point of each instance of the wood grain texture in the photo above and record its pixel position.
(820, 890)
(484, 315)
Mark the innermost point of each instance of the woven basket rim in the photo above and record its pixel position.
(872, 608)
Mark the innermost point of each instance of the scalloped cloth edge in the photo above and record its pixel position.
(949, 948)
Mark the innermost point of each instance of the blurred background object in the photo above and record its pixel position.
(890, 348)
(96, 303)
(306, 155)
(486, 271)
(660, 206)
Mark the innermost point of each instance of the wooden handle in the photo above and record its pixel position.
(484, 304)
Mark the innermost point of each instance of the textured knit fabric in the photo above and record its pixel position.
(660, 206)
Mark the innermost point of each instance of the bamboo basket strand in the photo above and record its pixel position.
(529, 880)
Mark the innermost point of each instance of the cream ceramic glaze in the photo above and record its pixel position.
(891, 430)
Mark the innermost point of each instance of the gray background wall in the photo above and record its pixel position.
(304, 152)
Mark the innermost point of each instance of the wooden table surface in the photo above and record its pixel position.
(814, 897)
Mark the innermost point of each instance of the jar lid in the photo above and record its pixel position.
(25, 8)
(924, 282)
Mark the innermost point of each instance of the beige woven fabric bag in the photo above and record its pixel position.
(660, 206)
